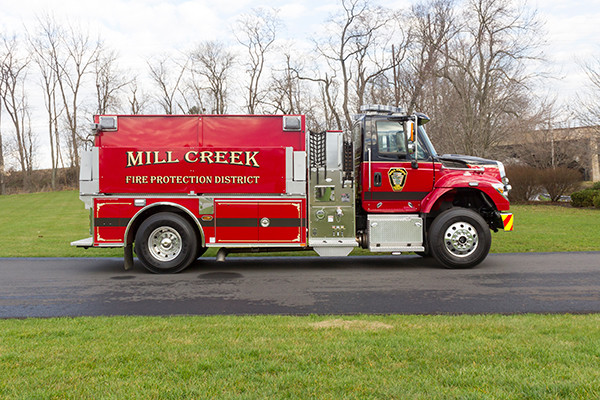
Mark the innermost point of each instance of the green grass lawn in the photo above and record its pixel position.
(271, 357)
(266, 357)
(43, 225)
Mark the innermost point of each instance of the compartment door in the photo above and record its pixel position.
(281, 222)
(236, 221)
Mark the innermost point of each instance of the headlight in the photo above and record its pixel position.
(500, 188)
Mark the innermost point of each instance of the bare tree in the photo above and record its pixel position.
(3, 57)
(110, 81)
(589, 110)
(193, 93)
(284, 88)
(44, 44)
(73, 53)
(433, 26)
(485, 69)
(256, 32)
(168, 84)
(372, 56)
(212, 61)
(351, 48)
(328, 87)
(287, 94)
(137, 100)
(553, 143)
(14, 71)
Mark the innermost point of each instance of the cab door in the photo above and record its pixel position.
(391, 183)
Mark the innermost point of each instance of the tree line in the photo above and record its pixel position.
(468, 64)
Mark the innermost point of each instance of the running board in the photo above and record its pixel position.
(85, 243)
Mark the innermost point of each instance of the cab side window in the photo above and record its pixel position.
(391, 140)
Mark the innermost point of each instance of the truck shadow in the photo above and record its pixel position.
(312, 263)
(210, 268)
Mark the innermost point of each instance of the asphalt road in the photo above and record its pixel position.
(504, 283)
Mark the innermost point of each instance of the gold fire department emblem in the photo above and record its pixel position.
(397, 178)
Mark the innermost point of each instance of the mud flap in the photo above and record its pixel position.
(128, 257)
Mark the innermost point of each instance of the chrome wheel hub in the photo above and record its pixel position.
(461, 239)
(165, 243)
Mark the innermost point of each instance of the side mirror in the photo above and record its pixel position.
(412, 137)
(410, 132)
(423, 119)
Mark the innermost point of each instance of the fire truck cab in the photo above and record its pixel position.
(172, 186)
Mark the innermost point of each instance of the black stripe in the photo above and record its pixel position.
(395, 195)
(237, 222)
(254, 222)
(104, 222)
(285, 222)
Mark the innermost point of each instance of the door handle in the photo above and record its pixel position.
(377, 179)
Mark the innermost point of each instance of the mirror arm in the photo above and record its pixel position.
(415, 162)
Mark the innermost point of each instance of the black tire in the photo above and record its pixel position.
(166, 243)
(459, 238)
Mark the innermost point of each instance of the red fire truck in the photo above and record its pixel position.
(176, 185)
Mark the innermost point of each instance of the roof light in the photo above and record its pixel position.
(381, 109)
(105, 124)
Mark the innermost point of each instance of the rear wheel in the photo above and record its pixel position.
(166, 243)
(459, 238)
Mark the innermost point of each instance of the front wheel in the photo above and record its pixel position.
(166, 243)
(459, 238)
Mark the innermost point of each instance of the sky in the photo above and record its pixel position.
(138, 29)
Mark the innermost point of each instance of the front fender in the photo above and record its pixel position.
(431, 199)
(477, 183)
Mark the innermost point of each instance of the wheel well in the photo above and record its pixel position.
(473, 199)
(140, 217)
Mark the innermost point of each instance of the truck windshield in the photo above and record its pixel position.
(425, 143)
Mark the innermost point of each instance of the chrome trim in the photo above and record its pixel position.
(87, 242)
(265, 222)
(369, 161)
(132, 220)
(253, 244)
(115, 244)
(501, 169)
(504, 179)
(478, 169)
(461, 239)
(165, 244)
(187, 196)
(416, 139)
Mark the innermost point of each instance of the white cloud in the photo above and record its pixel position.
(572, 37)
